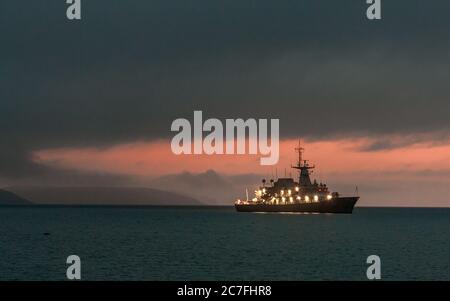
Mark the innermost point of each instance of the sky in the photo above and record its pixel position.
(91, 102)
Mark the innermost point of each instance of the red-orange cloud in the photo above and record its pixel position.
(342, 156)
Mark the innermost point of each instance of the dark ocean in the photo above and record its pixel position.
(217, 243)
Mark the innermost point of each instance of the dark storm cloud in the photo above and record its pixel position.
(436, 138)
(127, 70)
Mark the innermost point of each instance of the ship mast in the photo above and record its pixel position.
(303, 167)
(300, 150)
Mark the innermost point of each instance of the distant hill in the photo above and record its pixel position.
(102, 196)
(209, 186)
(9, 198)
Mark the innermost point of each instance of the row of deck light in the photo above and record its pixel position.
(315, 198)
(261, 192)
(291, 199)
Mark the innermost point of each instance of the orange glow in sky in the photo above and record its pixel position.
(342, 156)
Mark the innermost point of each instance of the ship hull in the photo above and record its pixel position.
(336, 205)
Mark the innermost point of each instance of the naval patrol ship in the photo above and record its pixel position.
(288, 195)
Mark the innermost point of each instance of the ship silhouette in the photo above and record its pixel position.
(287, 195)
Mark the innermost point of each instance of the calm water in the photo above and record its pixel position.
(219, 244)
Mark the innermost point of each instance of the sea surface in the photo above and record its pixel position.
(217, 243)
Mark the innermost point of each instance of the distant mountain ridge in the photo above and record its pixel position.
(48, 195)
(208, 186)
(10, 198)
